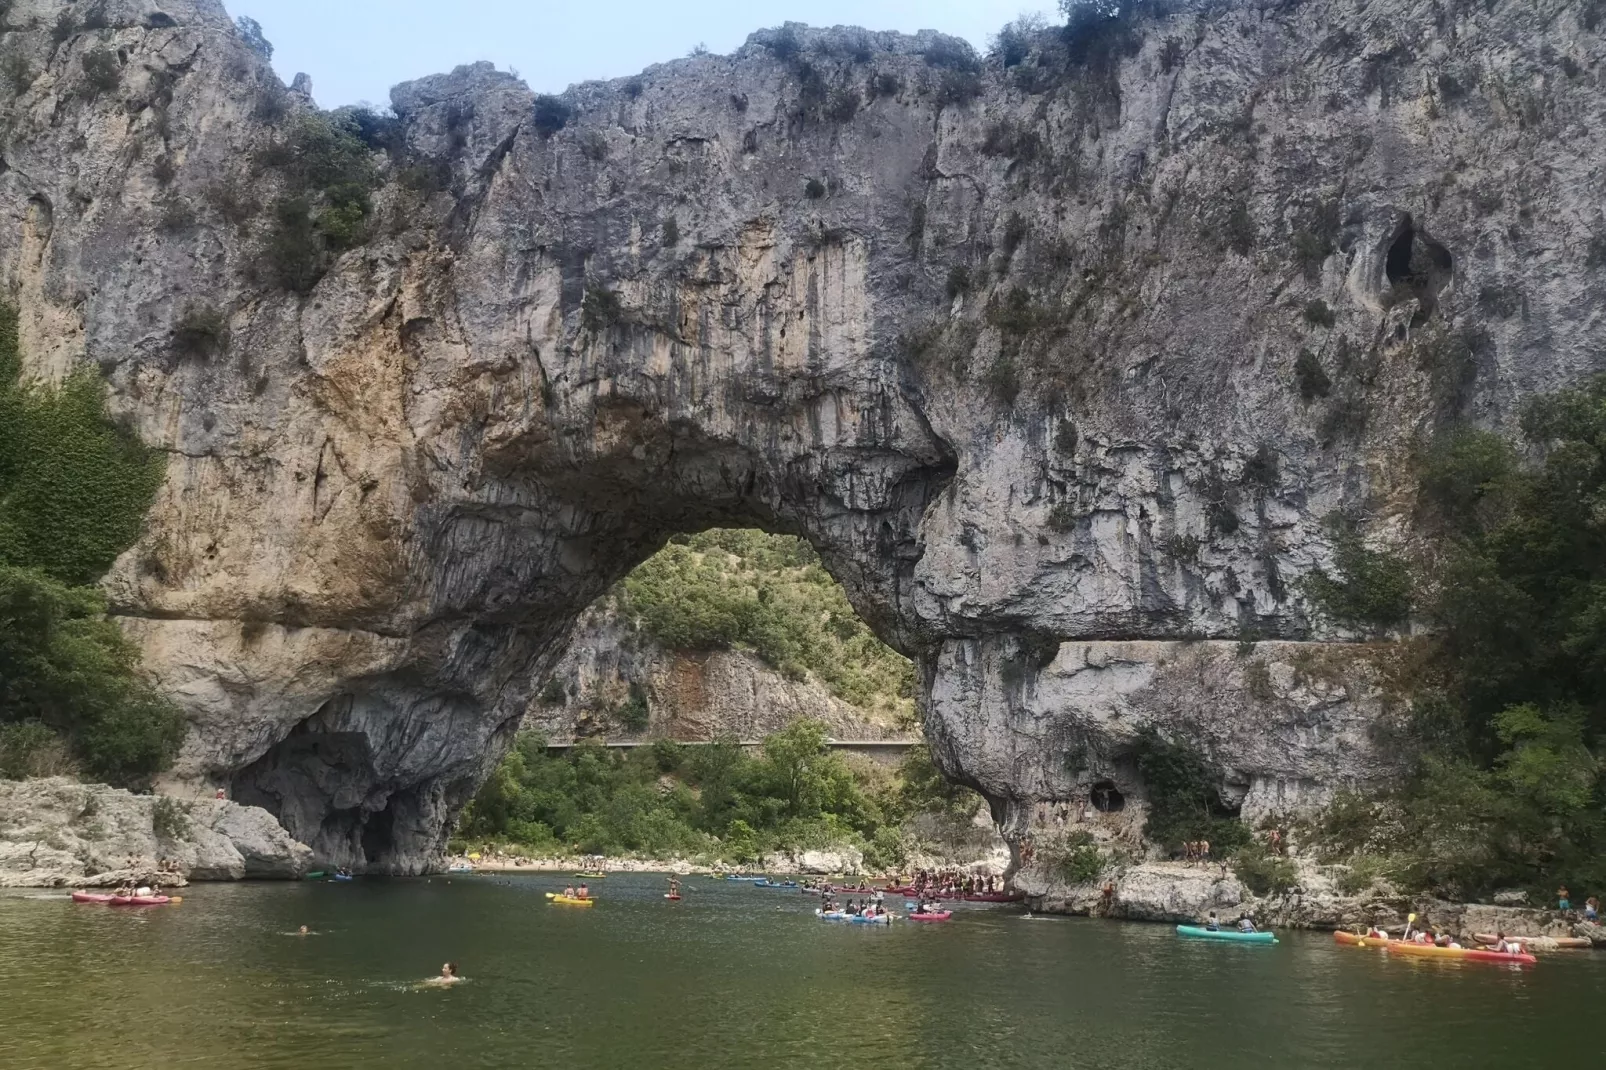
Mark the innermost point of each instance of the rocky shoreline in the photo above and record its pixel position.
(57, 833)
(1181, 892)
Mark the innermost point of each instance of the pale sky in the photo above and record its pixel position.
(355, 50)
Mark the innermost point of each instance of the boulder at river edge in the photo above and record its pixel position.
(57, 832)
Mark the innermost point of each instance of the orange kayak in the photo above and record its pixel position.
(1351, 940)
(1469, 954)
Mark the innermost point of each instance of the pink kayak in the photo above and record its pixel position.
(122, 900)
(941, 915)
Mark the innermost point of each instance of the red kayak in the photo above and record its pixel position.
(140, 900)
(941, 915)
(91, 897)
(907, 889)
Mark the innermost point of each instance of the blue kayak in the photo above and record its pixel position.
(1198, 933)
(856, 919)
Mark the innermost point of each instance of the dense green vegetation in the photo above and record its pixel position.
(769, 594)
(73, 493)
(1509, 698)
(1184, 802)
(709, 801)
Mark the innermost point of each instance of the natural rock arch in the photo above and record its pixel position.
(1011, 347)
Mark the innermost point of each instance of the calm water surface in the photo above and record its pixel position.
(732, 976)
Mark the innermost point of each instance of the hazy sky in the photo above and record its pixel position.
(357, 49)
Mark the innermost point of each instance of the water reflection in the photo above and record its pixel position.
(730, 976)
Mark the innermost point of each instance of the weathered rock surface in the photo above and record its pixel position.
(56, 832)
(692, 696)
(1018, 350)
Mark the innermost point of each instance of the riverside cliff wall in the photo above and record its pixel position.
(1061, 366)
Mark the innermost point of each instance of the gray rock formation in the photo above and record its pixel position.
(1081, 351)
(693, 696)
(57, 833)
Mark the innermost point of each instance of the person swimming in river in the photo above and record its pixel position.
(448, 975)
(303, 931)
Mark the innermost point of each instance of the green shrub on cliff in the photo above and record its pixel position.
(1509, 709)
(74, 489)
(1184, 801)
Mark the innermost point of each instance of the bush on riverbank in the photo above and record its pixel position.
(74, 489)
(668, 801)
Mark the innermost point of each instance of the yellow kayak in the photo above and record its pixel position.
(572, 901)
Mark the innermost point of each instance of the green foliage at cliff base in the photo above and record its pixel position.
(713, 801)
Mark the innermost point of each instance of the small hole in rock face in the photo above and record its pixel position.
(1399, 258)
(1106, 797)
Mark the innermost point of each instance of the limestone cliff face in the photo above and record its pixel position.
(1019, 350)
(692, 696)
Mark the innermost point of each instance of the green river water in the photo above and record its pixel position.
(732, 976)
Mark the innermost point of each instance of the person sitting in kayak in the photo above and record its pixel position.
(1374, 933)
(1246, 925)
(583, 892)
(568, 892)
(1212, 923)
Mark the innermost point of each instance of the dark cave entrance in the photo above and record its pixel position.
(1106, 798)
(1416, 266)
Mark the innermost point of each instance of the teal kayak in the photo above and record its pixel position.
(1226, 934)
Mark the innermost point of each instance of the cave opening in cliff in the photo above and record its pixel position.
(1106, 798)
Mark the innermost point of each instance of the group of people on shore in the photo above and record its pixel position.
(1564, 904)
(952, 883)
